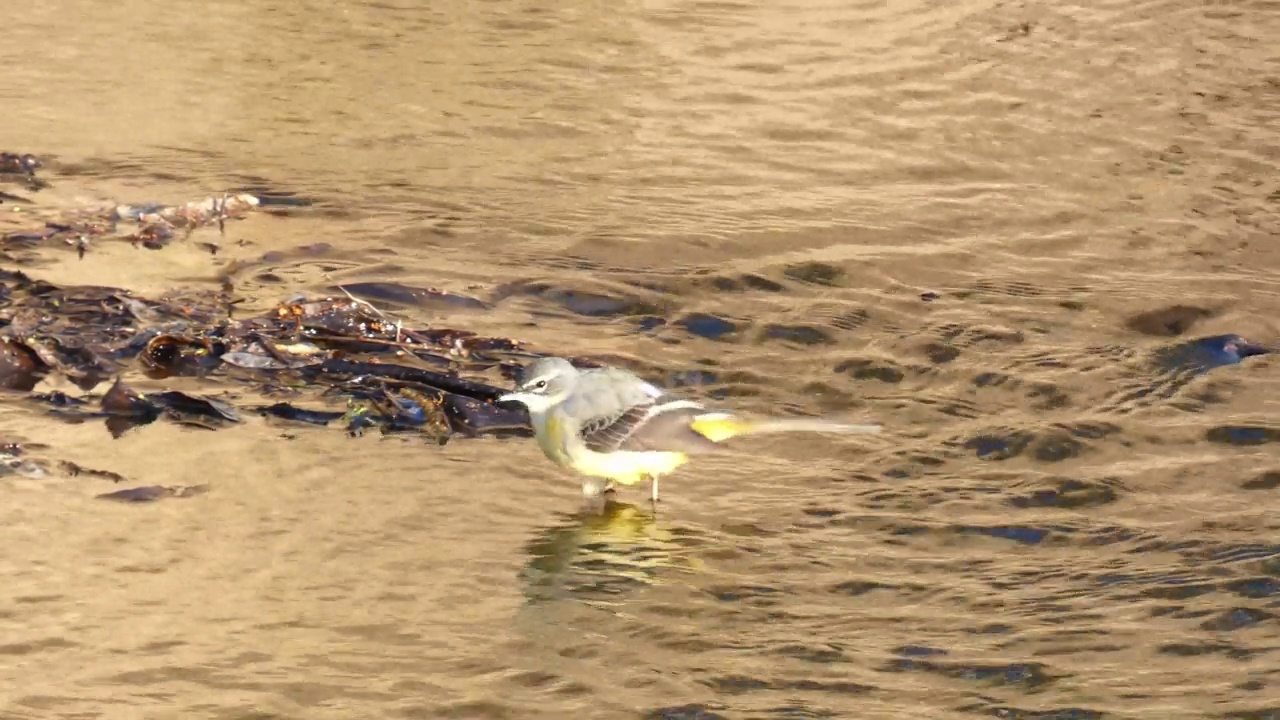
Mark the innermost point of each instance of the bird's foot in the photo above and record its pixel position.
(653, 491)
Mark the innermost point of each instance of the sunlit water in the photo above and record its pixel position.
(970, 222)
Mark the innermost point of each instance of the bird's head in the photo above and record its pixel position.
(542, 384)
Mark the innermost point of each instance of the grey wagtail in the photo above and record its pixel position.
(611, 427)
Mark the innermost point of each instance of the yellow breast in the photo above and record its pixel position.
(549, 430)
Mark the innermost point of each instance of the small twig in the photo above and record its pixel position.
(358, 301)
(220, 208)
(74, 469)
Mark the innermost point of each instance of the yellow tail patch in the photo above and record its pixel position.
(717, 427)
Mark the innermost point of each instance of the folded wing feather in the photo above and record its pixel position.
(624, 413)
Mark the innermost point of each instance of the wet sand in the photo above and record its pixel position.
(971, 222)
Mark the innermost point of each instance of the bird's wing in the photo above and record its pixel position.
(607, 433)
(618, 411)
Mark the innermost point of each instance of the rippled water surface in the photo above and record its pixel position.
(980, 223)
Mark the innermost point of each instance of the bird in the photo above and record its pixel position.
(612, 427)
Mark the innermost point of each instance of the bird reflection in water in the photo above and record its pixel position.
(602, 552)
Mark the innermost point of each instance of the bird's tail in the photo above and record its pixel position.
(717, 427)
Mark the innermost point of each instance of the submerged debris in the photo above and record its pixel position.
(338, 360)
(16, 460)
(343, 349)
(334, 360)
(329, 361)
(75, 470)
(149, 225)
(22, 168)
(15, 164)
(152, 493)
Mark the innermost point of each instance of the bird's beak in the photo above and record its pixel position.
(512, 397)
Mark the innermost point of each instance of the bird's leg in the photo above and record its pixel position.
(653, 489)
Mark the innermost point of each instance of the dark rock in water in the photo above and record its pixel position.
(1207, 353)
(815, 273)
(707, 326)
(1168, 322)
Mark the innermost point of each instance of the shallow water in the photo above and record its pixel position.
(973, 222)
